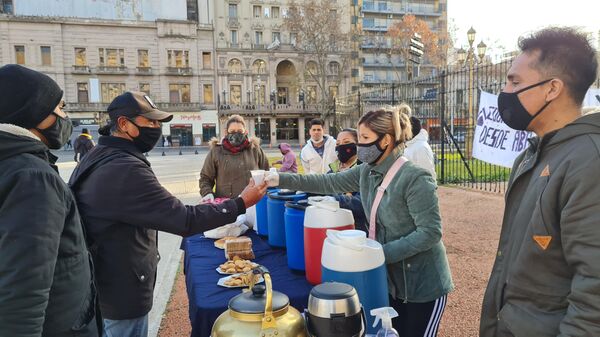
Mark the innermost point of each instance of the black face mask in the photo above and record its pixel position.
(147, 138)
(237, 138)
(513, 113)
(345, 152)
(58, 133)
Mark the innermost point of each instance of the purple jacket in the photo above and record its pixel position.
(288, 164)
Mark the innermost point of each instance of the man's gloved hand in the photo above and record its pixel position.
(272, 178)
(207, 198)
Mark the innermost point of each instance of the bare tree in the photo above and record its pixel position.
(320, 34)
(400, 33)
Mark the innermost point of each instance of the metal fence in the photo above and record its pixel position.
(447, 106)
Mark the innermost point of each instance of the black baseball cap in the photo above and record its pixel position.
(134, 103)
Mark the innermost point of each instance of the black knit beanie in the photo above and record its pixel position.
(27, 97)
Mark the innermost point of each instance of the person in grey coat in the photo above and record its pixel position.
(546, 277)
(46, 282)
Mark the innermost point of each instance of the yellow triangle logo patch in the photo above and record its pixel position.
(542, 240)
(545, 172)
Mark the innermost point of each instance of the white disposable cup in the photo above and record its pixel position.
(258, 176)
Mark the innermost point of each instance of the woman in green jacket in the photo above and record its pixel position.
(408, 222)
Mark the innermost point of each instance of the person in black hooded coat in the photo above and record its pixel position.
(46, 280)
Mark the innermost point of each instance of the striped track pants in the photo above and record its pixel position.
(418, 319)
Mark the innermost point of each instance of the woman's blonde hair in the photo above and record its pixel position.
(393, 121)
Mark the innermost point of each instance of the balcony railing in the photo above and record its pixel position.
(144, 70)
(179, 71)
(234, 45)
(233, 22)
(81, 70)
(254, 109)
(112, 69)
(86, 107)
(180, 107)
(416, 9)
(259, 46)
(371, 64)
(374, 28)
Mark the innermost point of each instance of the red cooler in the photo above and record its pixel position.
(320, 217)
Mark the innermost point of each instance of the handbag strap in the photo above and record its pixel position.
(387, 179)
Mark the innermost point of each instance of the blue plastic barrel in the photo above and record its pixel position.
(294, 233)
(276, 211)
(262, 219)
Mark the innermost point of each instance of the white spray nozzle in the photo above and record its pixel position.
(384, 314)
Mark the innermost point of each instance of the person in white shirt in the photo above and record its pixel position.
(319, 150)
(418, 150)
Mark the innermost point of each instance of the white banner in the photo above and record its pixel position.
(494, 142)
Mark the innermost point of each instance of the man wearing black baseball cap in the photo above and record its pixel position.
(46, 286)
(123, 206)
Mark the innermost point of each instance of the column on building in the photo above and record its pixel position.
(251, 126)
(301, 127)
(273, 123)
(223, 126)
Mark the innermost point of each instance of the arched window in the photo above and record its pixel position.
(334, 68)
(235, 66)
(311, 69)
(259, 67)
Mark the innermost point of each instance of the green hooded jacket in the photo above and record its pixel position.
(408, 223)
(546, 278)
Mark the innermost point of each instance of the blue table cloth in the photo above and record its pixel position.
(207, 300)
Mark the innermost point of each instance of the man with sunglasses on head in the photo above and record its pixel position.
(46, 283)
(123, 206)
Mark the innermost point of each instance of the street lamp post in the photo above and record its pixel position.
(260, 94)
(468, 58)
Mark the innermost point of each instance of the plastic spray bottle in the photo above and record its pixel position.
(385, 314)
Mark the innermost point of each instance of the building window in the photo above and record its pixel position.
(276, 36)
(143, 58)
(258, 37)
(233, 11)
(6, 6)
(179, 93)
(20, 54)
(334, 68)
(257, 10)
(82, 93)
(80, 57)
(235, 94)
(235, 66)
(333, 91)
(112, 57)
(311, 94)
(208, 94)
(259, 94)
(145, 88)
(178, 58)
(206, 60)
(111, 90)
(234, 39)
(275, 12)
(311, 69)
(259, 67)
(46, 52)
(293, 38)
(267, 12)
